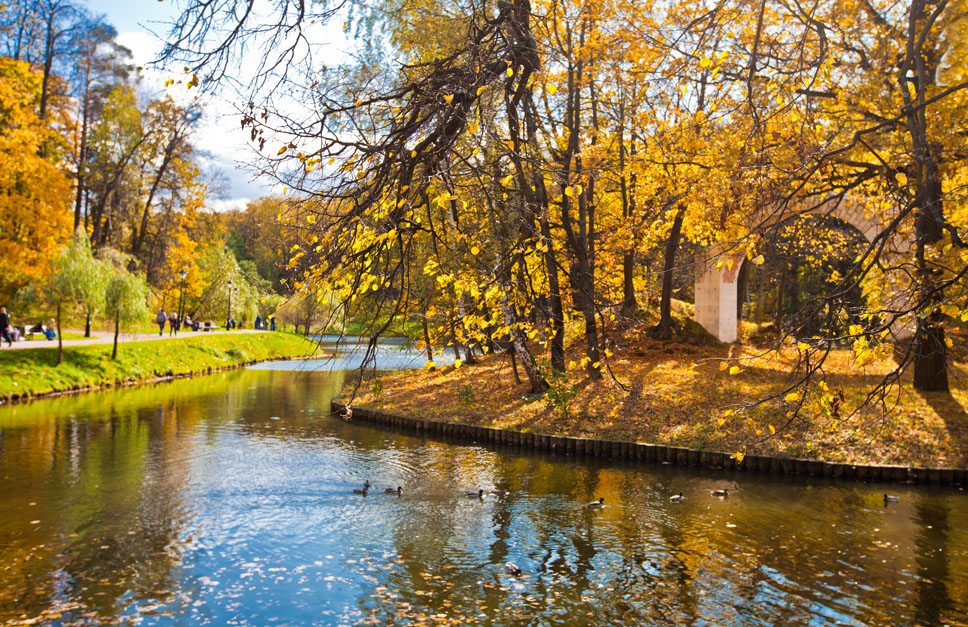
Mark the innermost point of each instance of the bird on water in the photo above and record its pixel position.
(512, 568)
(890, 498)
(723, 492)
(397, 490)
(475, 495)
(599, 504)
(676, 497)
(364, 489)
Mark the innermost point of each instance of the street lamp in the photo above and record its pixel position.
(181, 298)
(228, 316)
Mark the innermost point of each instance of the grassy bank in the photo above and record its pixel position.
(31, 372)
(678, 394)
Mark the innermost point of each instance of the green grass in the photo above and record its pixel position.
(30, 372)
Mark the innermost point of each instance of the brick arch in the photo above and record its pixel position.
(716, 289)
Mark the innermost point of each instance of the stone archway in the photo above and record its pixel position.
(716, 288)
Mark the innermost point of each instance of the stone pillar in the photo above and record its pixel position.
(716, 293)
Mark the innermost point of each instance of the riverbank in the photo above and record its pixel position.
(31, 372)
(679, 395)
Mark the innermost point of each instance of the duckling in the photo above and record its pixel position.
(676, 497)
(723, 492)
(890, 498)
(364, 489)
(512, 569)
(398, 491)
(599, 504)
(475, 495)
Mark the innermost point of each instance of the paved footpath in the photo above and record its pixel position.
(107, 337)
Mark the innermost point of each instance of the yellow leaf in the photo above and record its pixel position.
(457, 363)
(449, 98)
(720, 422)
(480, 90)
(510, 72)
(723, 366)
(901, 178)
(282, 150)
(728, 413)
(475, 250)
(430, 365)
(734, 370)
(705, 62)
(552, 89)
(948, 342)
(772, 430)
(413, 154)
(738, 457)
(803, 346)
(758, 260)
(569, 192)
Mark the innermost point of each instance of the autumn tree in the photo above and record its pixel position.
(34, 216)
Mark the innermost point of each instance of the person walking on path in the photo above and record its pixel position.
(160, 320)
(258, 321)
(5, 327)
(272, 323)
(172, 324)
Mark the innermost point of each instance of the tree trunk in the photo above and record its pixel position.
(426, 333)
(60, 337)
(87, 325)
(117, 330)
(629, 304)
(520, 348)
(930, 357)
(663, 330)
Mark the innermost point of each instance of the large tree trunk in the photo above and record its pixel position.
(918, 70)
(930, 357)
(663, 330)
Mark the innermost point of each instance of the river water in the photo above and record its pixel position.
(227, 500)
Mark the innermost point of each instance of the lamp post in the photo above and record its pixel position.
(228, 316)
(181, 298)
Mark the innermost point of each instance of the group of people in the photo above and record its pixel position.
(11, 334)
(175, 325)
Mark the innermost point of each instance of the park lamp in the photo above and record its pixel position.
(183, 274)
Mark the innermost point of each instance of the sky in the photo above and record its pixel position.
(221, 138)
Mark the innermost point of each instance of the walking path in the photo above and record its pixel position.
(107, 337)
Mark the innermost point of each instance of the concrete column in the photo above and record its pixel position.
(716, 293)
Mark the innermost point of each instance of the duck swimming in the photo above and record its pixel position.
(676, 497)
(599, 504)
(512, 568)
(398, 491)
(723, 492)
(890, 498)
(475, 495)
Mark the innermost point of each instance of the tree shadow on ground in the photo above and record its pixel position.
(955, 419)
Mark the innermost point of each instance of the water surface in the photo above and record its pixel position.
(227, 499)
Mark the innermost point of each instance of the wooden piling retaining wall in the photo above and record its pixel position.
(656, 453)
